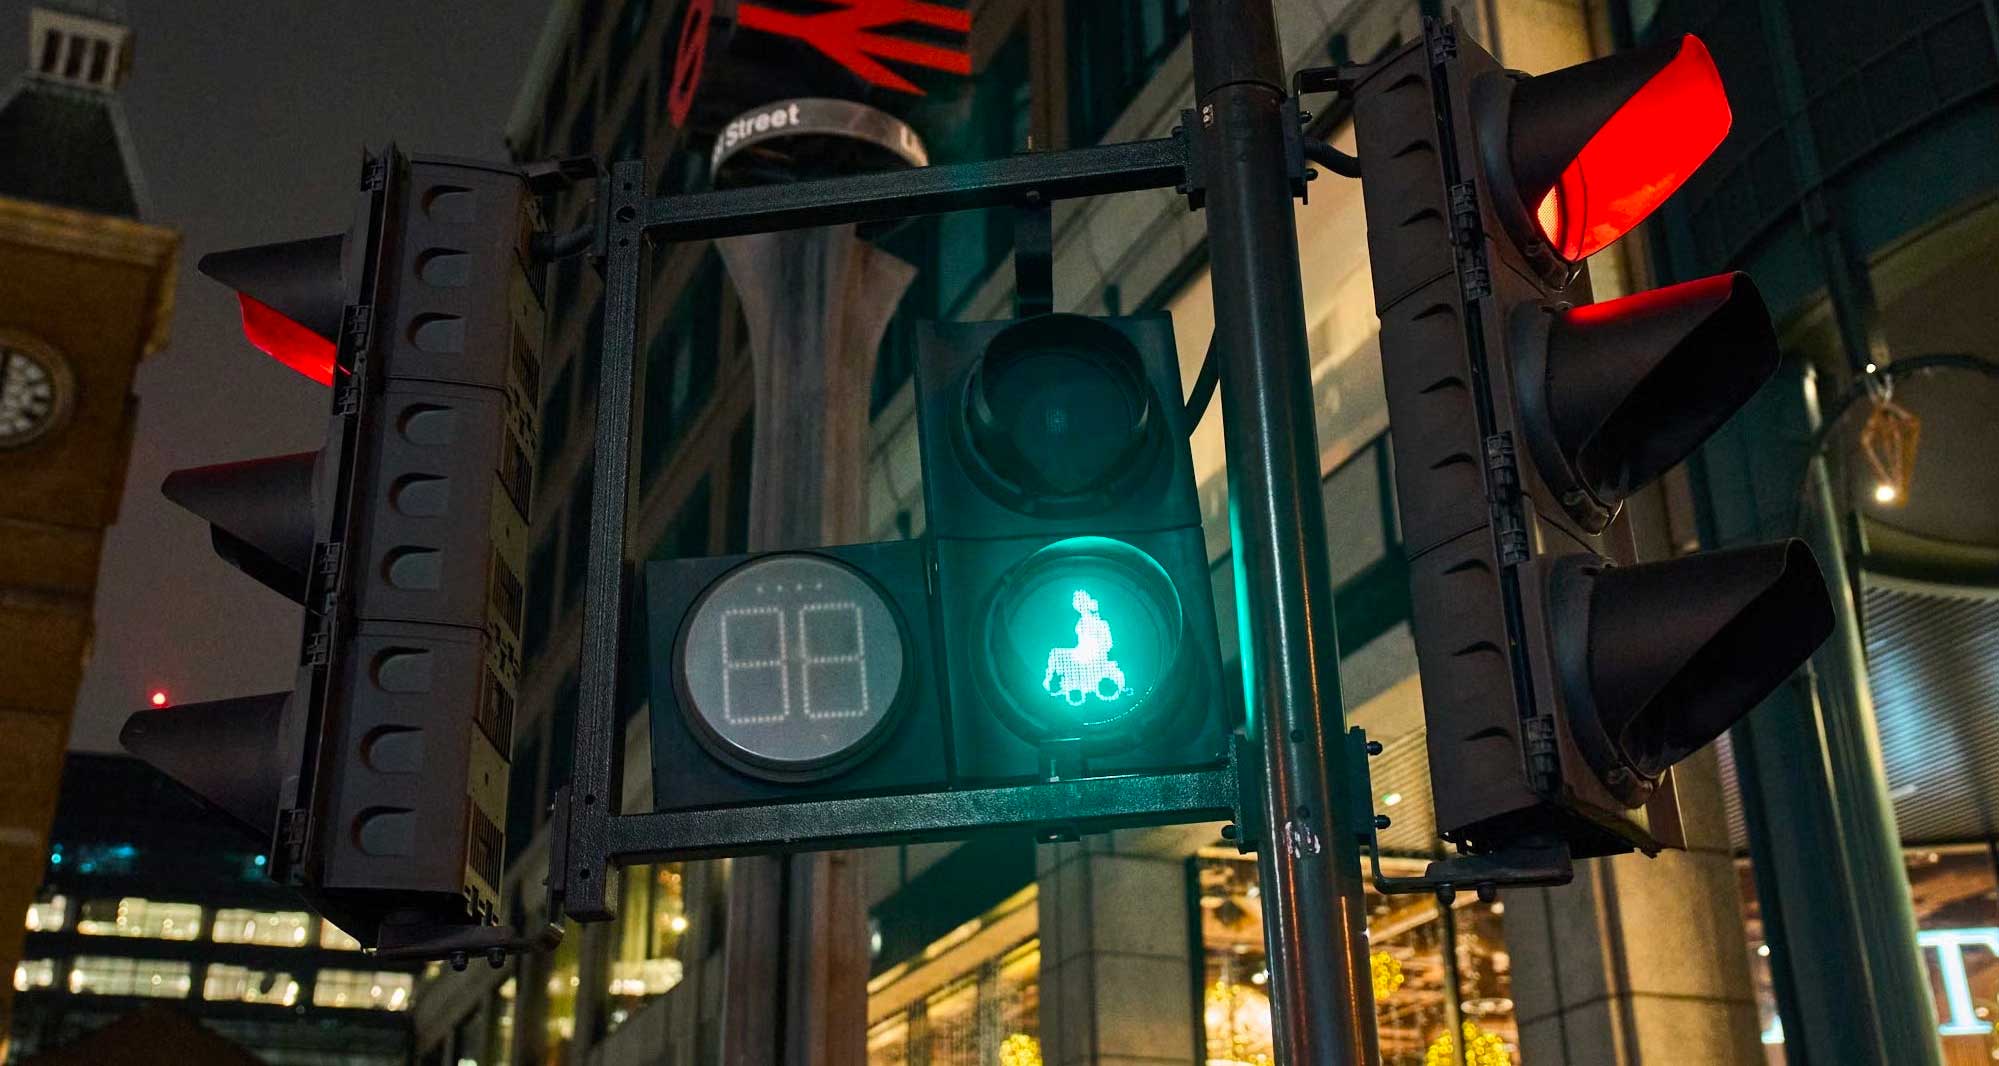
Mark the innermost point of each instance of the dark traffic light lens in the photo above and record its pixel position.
(790, 665)
(1059, 415)
(1083, 641)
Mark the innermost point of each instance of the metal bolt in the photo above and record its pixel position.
(1381, 821)
(1374, 747)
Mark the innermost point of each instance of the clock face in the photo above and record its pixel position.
(33, 395)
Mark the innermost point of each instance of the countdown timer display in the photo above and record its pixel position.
(790, 665)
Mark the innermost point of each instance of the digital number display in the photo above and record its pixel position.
(791, 662)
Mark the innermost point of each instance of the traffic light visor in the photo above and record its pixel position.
(224, 751)
(293, 294)
(1634, 385)
(260, 514)
(1597, 147)
(1679, 650)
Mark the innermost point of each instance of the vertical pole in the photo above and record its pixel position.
(1314, 922)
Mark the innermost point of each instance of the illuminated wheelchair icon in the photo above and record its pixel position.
(1075, 674)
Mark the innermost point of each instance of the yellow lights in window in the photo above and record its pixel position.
(237, 984)
(1386, 970)
(1020, 1049)
(47, 916)
(34, 973)
(644, 977)
(102, 975)
(137, 917)
(1481, 1049)
(363, 989)
(272, 929)
(1237, 1020)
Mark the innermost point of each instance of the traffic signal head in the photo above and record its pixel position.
(1072, 575)
(381, 780)
(1561, 678)
(1054, 622)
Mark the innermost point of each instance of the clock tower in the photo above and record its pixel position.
(86, 291)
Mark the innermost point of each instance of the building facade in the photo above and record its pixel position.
(70, 206)
(151, 899)
(1146, 946)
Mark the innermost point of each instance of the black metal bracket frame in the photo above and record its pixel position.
(1530, 862)
(589, 836)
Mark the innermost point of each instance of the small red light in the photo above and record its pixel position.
(159, 697)
(1641, 156)
(286, 341)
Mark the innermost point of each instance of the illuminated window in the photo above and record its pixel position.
(363, 989)
(102, 975)
(237, 984)
(34, 973)
(500, 1038)
(133, 916)
(47, 917)
(651, 919)
(331, 938)
(1409, 968)
(273, 929)
(564, 977)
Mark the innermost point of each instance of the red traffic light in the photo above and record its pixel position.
(286, 341)
(1595, 148)
(293, 294)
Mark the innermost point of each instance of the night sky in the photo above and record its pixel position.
(249, 119)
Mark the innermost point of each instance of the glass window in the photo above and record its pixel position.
(47, 916)
(103, 975)
(555, 413)
(541, 596)
(680, 366)
(888, 1041)
(1114, 48)
(500, 1018)
(276, 929)
(1956, 900)
(1412, 975)
(333, 938)
(363, 989)
(953, 1016)
(133, 916)
(652, 915)
(237, 984)
(564, 977)
(34, 973)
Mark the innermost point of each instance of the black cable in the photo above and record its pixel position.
(1331, 158)
(547, 246)
(1204, 388)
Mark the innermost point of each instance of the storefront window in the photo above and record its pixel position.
(957, 1001)
(652, 916)
(1413, 974)
(34, 973)
(1956, 899)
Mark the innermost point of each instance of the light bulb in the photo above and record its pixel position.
(1885, 493)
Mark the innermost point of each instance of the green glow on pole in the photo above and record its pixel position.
(1077, 673)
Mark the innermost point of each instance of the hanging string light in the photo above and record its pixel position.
(1888, 443)
(1481, 1049)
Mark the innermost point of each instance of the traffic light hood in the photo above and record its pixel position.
(1660, 658)
(260, 514)
(1593, 149)
(292, 295)
(1630, 387)
(1059, 414)
(224, 751)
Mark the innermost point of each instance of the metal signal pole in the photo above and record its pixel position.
(1314, 922)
